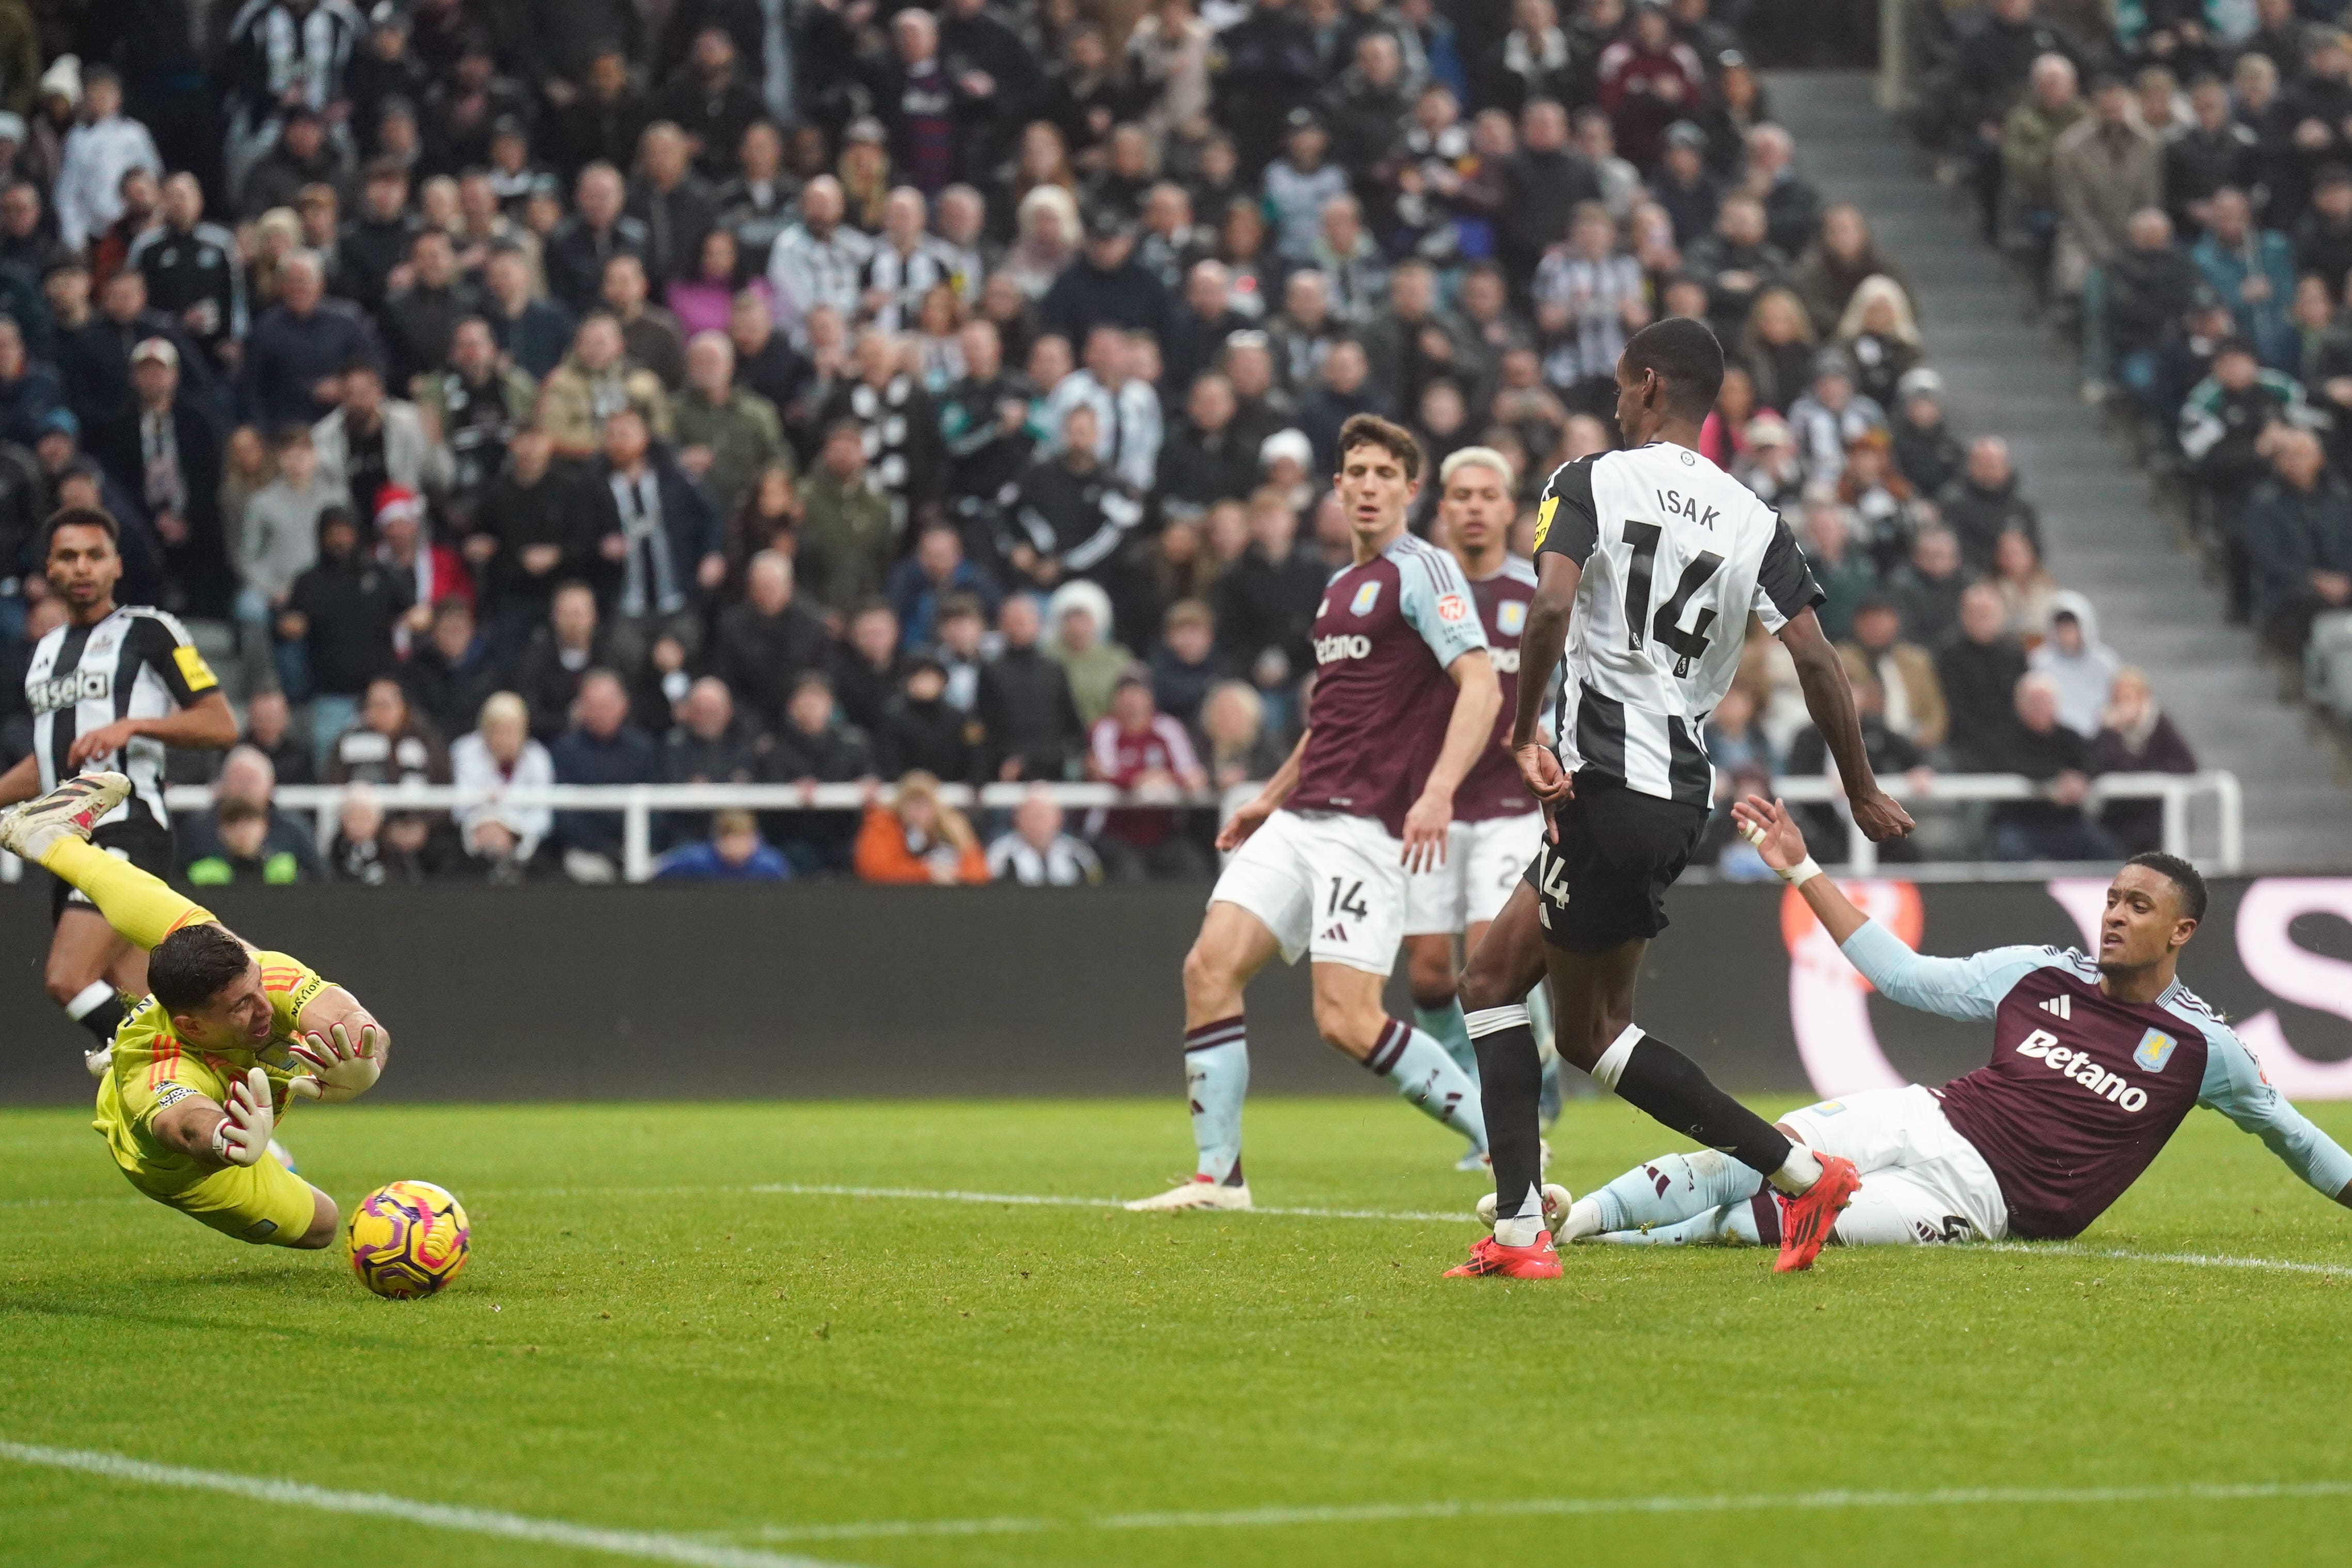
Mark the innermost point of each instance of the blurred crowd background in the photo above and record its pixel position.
(2175, 178)
(508, 391)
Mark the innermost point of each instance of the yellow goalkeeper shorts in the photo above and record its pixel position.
(262, 1202)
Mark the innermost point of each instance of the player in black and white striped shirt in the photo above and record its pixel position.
(110, 691)
(1649, 562)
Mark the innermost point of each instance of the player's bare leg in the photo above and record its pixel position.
(325, 1222)
(1430, 969)
(1233, 946)
(1349, 1013)
(85, 952)
(1354, 1021)
(129, 971)
(87, 965)
(1512, 946)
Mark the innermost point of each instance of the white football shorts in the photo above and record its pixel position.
(1327, 885)
(1484, 861)
(1921, 1181)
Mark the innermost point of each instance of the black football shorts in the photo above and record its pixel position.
(1604, 883)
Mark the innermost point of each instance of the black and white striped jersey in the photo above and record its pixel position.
(136, 663)
(1675, 553)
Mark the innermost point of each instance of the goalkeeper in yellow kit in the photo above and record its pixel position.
(228, 1038)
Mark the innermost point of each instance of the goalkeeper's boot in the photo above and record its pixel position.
(1807, 1219)
(1539, 1259)
(1557, 1201)
(73, 807)
(1200, 1192)
(100, 1059)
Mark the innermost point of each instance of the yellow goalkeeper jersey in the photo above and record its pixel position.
(153, 1071)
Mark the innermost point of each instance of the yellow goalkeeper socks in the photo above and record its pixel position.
(138, 904)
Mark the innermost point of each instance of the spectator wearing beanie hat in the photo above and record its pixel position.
(425, 571)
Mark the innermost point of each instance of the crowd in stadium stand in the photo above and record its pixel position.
(2177, 178)
(519, 392)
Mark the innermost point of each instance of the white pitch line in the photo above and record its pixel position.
(927, 1194)
(804, 1190)
(646, 1545)
(1720, 1503)
(2193, 1259)
(1416, 1216)
(1050, 1200)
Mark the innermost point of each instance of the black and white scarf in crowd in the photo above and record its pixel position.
(307, 53)
(476, 422)
(1431, 150)
(650, 584)
(1064, 861)
(888, 436)
(903, 280)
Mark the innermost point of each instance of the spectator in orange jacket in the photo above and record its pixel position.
(918, 839)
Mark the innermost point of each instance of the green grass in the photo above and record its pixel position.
(641, 1341)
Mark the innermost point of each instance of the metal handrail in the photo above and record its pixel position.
(638, 803)
(2175, 790)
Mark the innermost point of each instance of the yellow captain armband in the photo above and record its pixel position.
(193, 668)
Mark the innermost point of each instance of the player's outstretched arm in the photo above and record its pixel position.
(1268, 801)
(1477, 697)
(237, 1133)
(2235, 1085)
(1829, 699)
(1780, 844)
(204, 725)
(343, 1046)
(1967, 988)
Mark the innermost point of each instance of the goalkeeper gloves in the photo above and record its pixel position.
(339, 1070)
(242, 1136)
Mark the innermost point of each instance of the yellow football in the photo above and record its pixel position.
(407, 1239)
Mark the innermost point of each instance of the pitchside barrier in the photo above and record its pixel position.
(2203, 813)
(813, 990)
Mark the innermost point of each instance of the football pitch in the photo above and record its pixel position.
(916, 1335)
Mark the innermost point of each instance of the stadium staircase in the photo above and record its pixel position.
(2006, 376)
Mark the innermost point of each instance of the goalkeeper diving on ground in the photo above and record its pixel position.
(2096, 1059)
(229, 1037)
